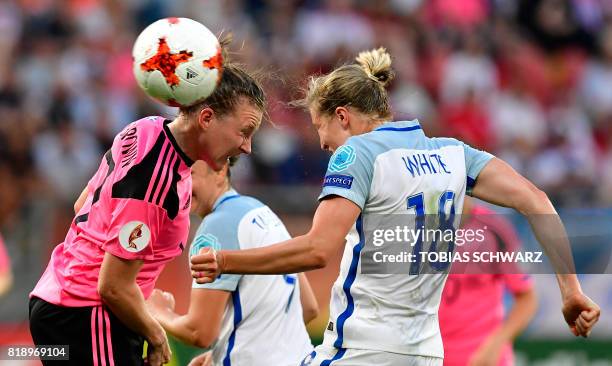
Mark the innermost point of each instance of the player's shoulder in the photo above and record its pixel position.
(237, 205)
(146, 165)
(390, 136)
(143, 127)
(137, 138)
(230, 209)
(234, 215)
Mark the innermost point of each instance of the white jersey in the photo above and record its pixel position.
(263, 322)
(393, 170)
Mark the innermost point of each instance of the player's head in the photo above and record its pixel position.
(208, 184)
(226, 121)
(350, 100)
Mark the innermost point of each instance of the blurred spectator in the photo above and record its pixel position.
(469, 70)
(323, 33)
(595, 88)
(6, 276)
(66, 158)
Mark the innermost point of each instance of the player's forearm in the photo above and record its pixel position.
(127, 303)
(519, 316)
(299, 254)
(550, 233)
(181, 327)
(310, 306)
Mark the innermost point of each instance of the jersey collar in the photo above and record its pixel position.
(228, 195)
(400, 126)
(175, 144)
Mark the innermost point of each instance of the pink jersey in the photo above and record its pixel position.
(472, 304)
(5, 264)
(137, 208)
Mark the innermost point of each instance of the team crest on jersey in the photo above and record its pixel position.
(342, 159)
(203, 241)
(134, 236)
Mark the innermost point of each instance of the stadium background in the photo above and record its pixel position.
(530, 81)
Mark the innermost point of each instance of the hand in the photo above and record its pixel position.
(206, 265)
(580, 313)
(160, 300)
(205, 359)
(487, 354)
(158, 352)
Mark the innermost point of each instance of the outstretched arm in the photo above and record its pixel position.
(332, 221)
(499, 184)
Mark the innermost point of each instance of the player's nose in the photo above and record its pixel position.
(246, 146)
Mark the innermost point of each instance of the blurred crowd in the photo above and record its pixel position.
(528, 80)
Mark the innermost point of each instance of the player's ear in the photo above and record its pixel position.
(343, 116)
(205, 117)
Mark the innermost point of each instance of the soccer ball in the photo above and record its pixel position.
(177, 61)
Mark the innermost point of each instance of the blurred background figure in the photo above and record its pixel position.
(476, 330)
(526, 79)
(6, 276)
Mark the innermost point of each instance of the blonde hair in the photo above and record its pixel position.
(360, 85)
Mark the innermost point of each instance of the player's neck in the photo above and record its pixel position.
(183, 133)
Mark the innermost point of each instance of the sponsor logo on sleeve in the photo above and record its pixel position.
(336, 180)
(203, 241)
(342, 159)
(134, 236)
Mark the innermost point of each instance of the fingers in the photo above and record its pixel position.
(586, 321)
(205, 255)
(203, 279)
(591, 315)
(205, 267)
(581, 314)
(573, 330)
(205, 261)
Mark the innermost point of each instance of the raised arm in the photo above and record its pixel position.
(332, 221)
(499, 184)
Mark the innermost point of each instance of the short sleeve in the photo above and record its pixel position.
(216, 233)
(475, 161)
(133, 229)
(349, 174)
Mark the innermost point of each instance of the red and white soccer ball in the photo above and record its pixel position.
(177, 61)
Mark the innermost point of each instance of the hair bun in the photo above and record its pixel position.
(377, 65)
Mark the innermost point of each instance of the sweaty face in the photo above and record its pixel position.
(331, 133)
(231, 134)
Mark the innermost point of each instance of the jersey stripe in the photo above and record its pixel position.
(167, 182)
(157, 173)
(137, 181)
(348, 282)
(109, 342)
(94, 336)
(237, 319)
(410, 128)
(337, 356)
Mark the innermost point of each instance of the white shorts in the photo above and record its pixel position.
(330, 356)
